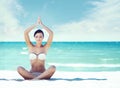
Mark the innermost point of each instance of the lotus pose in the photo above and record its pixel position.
(37, 54)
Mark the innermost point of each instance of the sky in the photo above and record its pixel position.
(70, 20)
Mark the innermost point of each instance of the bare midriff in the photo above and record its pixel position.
(37, 65)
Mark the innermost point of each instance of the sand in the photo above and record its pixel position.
(11, 79)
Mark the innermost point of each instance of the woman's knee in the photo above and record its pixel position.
(52, 68)
(20, 68)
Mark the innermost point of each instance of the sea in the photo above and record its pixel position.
(66, 56)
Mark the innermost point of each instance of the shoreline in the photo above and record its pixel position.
(63, 80)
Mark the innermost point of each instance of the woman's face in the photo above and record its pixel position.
(39, 37)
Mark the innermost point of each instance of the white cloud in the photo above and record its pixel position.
(9, 24)
(10, 28)
(101, 24)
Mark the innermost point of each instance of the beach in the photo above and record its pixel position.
(81, 38)
(11, 79)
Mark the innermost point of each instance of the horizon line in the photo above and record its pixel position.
(68, 41)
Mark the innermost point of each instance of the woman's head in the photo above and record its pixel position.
(38, 35)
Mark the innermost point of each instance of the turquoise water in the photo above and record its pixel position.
(66, 56)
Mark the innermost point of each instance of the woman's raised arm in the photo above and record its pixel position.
(26, 35)
(50, 32)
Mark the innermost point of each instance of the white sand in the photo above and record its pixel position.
(11, 79)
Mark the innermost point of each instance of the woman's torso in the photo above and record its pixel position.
(37, 59)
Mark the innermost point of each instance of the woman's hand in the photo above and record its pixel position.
(39, 22)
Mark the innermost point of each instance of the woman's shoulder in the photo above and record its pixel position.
(30, 48)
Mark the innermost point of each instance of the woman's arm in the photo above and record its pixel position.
(26, 35)
(50, 32)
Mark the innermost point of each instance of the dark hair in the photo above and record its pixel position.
(38, 31)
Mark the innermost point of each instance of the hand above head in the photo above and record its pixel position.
(39, 22)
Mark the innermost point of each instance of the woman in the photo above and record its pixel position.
(37, 54)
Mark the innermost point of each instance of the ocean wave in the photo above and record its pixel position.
(24, 53)
(85, 65)
(24, 48)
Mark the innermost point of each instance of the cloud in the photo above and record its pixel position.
(9, 24)
(101, 22)
(10, 27)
